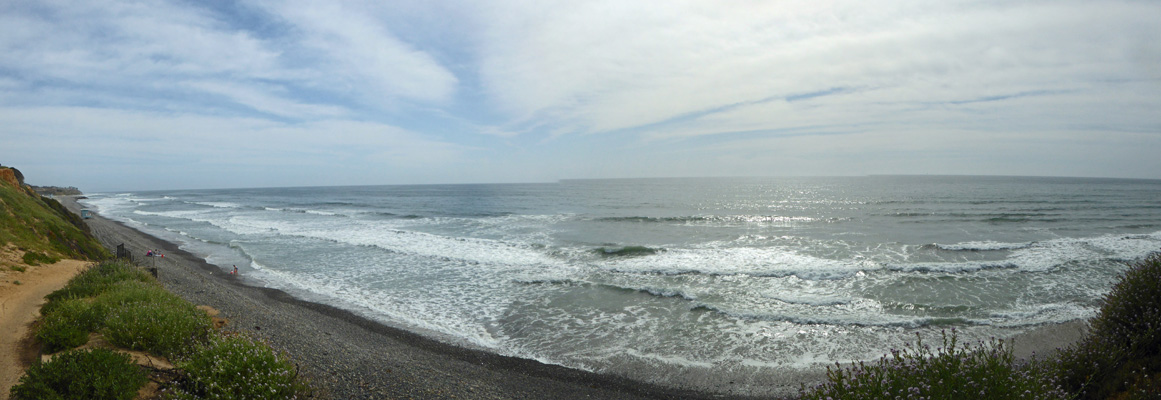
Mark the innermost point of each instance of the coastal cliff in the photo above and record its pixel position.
(32, 223)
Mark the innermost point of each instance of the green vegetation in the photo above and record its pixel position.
(984, 371)
(34, 258)
(1119, 359)
(42, 225)
(98, 280)
(237, 367)
(133, 311)
(163, 328)
(68, 324)
(70, 376)
(18, 268)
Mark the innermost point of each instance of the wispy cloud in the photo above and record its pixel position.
(605, 66)
(514, 90)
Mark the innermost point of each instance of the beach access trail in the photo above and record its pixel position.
(347, 356)
(19, 307)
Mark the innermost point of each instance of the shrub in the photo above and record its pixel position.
(35, 258)
(985, 371)
(163, 328)
(233, 366)
(68, 324)
(82, 374)
(18, 268)
(98, 279)
(1123, 348)
(128, 292)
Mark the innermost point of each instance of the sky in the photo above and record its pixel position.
(140, 95)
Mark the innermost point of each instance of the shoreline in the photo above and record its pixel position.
(351, 356)
(348, 356)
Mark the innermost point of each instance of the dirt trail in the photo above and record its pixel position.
(20, 306)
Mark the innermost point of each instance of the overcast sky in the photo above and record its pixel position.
(136, 95)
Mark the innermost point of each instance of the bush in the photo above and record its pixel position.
(1123, 348)
(163, 328)
(985, 371)
(128, 292)
(34, 258)
(236, 367)
(68, 324)
(82, 375)
(98, 279)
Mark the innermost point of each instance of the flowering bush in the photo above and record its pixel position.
(1122, 354)
(233, 366)
(68, 324)
(161, 328)
(135, 312)
(82, 375)
(985, 371)
(97, 279)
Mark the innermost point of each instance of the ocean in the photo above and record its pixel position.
(663, 279)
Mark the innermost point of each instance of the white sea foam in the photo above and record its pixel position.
(217, 204)
(987, 245)
(387, 236)
(437, 314)
(771, 261)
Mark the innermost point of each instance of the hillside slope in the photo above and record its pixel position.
(31, 223)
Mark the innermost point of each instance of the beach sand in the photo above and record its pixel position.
(351, 357)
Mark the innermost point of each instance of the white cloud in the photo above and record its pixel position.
(139, 146)
(95, 43)
(361, 50)
(261, 100)
(520, 88)
(604, 66)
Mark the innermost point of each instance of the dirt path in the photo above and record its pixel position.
(20, 305)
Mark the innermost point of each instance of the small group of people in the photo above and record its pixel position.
(154, 253)
(235, 271)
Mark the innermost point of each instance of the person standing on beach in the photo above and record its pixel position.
(235, 271)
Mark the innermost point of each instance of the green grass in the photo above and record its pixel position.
(18, 268)
(70, 376)
(44, 226)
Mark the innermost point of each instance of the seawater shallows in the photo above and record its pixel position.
(649, 276)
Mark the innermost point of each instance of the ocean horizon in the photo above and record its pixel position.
(660, 278)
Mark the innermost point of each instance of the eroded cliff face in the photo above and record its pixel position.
(11, 177)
